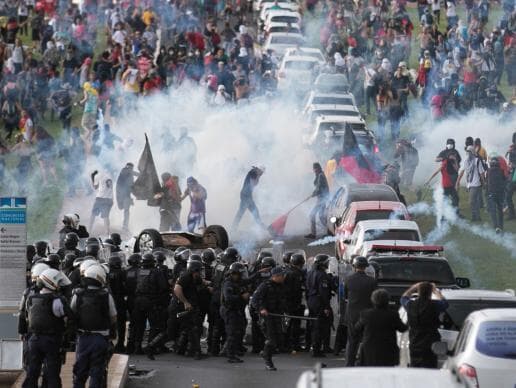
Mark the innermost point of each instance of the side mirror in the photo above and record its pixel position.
(440, 348)
(463, 282)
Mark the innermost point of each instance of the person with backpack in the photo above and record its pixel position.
(474, 170)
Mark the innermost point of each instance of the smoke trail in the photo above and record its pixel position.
(323, 241)
(467, 263)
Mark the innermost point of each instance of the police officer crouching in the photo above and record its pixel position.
(47, 311)
(232, 310)
(268, 299)
(95, 314)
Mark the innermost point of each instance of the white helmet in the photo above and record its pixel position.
(36, 270)
(86, 264)
(49, 278)
(63, 280)
(96, 272)
(105, 267)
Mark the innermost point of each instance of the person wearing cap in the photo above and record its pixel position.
(321, 192)
(246, 198)
(358, 289)
(475, 175)
(268, 299)
(197, 194)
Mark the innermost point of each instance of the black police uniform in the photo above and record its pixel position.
(318, 296)
(232, 311)
(294, 288)
(117, 285)
(45, 334)
(270, 296)
(205, 304)
(94, 323)
(219, 330)
(257, 335)
(131, 279)
(191, 324)
(357, 290)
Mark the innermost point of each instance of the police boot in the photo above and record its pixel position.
(150, 350)
(180, 345)
(138, 349)
(130, 348)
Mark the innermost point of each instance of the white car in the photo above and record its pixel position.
(283, 27)
(259, 3)
(279, 42)
(318, 98)
(379, 378)
(381, 232)
(306, 52)
(461, 303)
(295, 73)
(270, 7)
(317, 110)
(281, 16)
(485, 352)
(331, 83)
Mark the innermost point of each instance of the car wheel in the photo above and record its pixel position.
(148, 240)
(219, 234)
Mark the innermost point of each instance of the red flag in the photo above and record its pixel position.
(277, 227)
(355, 163)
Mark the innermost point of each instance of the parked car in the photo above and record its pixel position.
(268, 8)
(379, 377)
(363, 211)
(320, 98)
(295, 73)
(354, 192)
(381, 232)
(283, 16)
(461, 303)
(485, 352)
(259, 3)
(331, 83)
(319, 110)
(306, 52)
(283, 27)
(281, 41)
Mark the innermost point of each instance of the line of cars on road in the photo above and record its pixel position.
(478, 330)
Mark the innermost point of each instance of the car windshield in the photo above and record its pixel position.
(497, 339)
(299, 65)
(364, 215)
(332, 100)
(284, 29)
(458, 310)
(330, 112)
(285, 19)
(391, 234)
(414, 270)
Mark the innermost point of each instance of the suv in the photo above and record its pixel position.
(363, 211)
(354, 192)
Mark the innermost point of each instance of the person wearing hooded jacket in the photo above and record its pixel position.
(169, 203)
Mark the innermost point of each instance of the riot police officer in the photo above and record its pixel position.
(186, 291)
(71, 241)
(181, 256)
(358, 288)
(164, 297)
(117, 284)
(149, 286)
(285, 258)
(228, 257)
(269, 299)
(117, 241)
(95, 313)
(92, 248)
(41, 251)
(261, 274)
(294, 288)
(52, 260)
(234, 299)
(46, 312)
(131, 279)
(318, 295)
(67, 264)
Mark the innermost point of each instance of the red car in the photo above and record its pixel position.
(362, 211)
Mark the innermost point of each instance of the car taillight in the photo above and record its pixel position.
(376, 149)
(469, 374)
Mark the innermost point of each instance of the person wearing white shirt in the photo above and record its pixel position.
(103, 200)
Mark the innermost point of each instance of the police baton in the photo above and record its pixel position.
(292, 317)
(183, 314)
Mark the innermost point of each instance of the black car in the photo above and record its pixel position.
(354, 192)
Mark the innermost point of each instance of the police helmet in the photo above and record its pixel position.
(115, 262)
(87, 263)
(49, 279)
(195, 257)
(231, 256)
(287, 256)
(297, 259)
(53, 261)
(321, 260)
(181, 256)
(360, 262)
(109, 241)
(41, 248)
(36, 270)
(63, 280)
(194, 266)
(237, 268)
(117, 240)
(148, 259)
(268, 262)
(96, 272)
(68, 261)
(106, 268)
(134, 259)
(159, 256)
(263, 254)
(78, 261)
(92, 240)
(208, 256)
(71, 240)
(92, 249)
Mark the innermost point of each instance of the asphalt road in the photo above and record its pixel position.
(175, 371)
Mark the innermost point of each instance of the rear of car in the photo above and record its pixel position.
(280, 42)
(331, 83)
(485, 353)
(295, 73)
